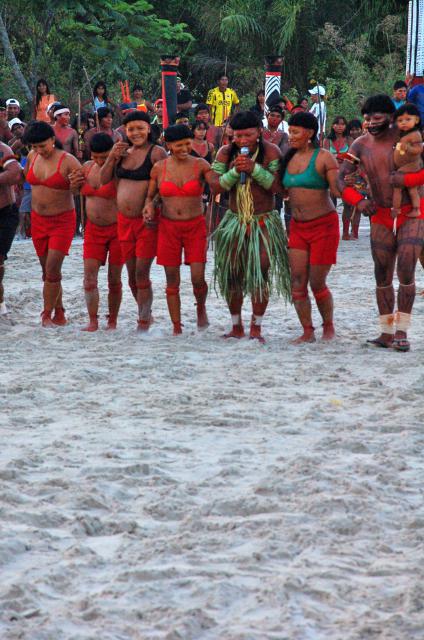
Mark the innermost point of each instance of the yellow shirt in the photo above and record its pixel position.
(221, 104)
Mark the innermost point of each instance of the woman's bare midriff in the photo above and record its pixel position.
(177, 208)
(101, 211)
(131, 197)
(50, 202)
(310, 204)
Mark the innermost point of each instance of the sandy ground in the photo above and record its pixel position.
(192, 488)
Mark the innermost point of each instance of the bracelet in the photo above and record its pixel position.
(229, 179)
(263, 177)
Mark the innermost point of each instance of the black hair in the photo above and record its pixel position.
(85, 119)
(353, 124)
(38, 95)
(60, 106)
(101, 142)
(103, 112)
(305, 120)
(380, 103)
(179, 115)
(222, 75)
(332, 134)
(275, 108)
(245, 120)
(261, 92)
(411, 110)
(136, 115)
(201, 107)
(37, 131)
(98, 84)
(137, 87)
(399, 84)
(177, 132)
(199, 123)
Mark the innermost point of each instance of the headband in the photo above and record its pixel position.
(59, 112)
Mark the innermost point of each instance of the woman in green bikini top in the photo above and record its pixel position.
(308, 174)
(337, 141)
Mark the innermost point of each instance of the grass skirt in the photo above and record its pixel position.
(238, 256)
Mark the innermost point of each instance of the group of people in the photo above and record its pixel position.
(144, 199)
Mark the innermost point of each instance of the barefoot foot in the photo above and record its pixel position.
(236, 332)
(177, 329)
(46, 320)
(255, 333)
(328, 331)
(144, 325)
(93, 325)
(308, 336)
(59, 317)
(202, 317)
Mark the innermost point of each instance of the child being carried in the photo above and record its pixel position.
(407, 155)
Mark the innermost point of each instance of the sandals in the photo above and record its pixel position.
(401, 344)
(379, 343)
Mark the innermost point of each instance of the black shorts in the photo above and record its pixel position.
(9, 220)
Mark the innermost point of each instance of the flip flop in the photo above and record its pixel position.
(379, 343)
(401, 344)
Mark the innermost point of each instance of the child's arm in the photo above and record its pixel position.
(411, 144)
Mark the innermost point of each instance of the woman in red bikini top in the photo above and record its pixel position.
(47, 171)
(101, 204)
(180, 181)
(53, 219)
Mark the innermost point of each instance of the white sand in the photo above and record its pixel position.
(191, 488)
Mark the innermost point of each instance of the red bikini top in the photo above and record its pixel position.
(190, 189)
(106, 191)
(55, 181)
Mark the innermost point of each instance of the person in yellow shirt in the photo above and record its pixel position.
(221, 100)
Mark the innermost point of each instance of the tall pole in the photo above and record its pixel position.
(169, 66)
(273, 66)
(415, 48)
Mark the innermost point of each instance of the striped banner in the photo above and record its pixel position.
(272, 80)
(415, 48)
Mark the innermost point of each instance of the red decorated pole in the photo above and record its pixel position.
(169, 66)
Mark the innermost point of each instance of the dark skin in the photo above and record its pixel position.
(389, 251)
(263, 201)
(180, 168)
(310, 204)
(9, 176)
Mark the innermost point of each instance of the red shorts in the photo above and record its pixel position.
(383, 215)
(136, 239)
(319, 237)
(53, 232)
(99, 241)
(176, 235)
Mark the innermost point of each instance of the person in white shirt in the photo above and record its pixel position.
(318, 109)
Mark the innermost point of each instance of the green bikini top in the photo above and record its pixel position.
(308, 179)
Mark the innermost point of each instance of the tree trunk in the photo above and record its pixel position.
(10, 56)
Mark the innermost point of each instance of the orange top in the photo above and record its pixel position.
(190, 189)
(55, 181)
(40, 113)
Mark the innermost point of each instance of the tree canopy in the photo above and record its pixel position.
(354, 47)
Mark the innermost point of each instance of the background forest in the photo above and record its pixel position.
(353, 47)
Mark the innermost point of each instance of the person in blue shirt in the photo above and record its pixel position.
(416, 96)
(400, 89)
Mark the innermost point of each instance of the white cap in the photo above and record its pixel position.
(12, 102)
(317, 88)
(15, 121)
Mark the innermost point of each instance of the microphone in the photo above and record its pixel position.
(244, 152)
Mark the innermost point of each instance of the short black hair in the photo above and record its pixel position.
(136, 115)
(305, 120)
(245, 120)
(400, 84)
(201, 107)
(103, 112)
(37, 131)
(411, 110)
(353, 124)
(177, 132)
(275, 108)
(137, 87)
(101, 142)
(380, 103)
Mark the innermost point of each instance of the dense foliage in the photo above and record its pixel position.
(354, 47)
